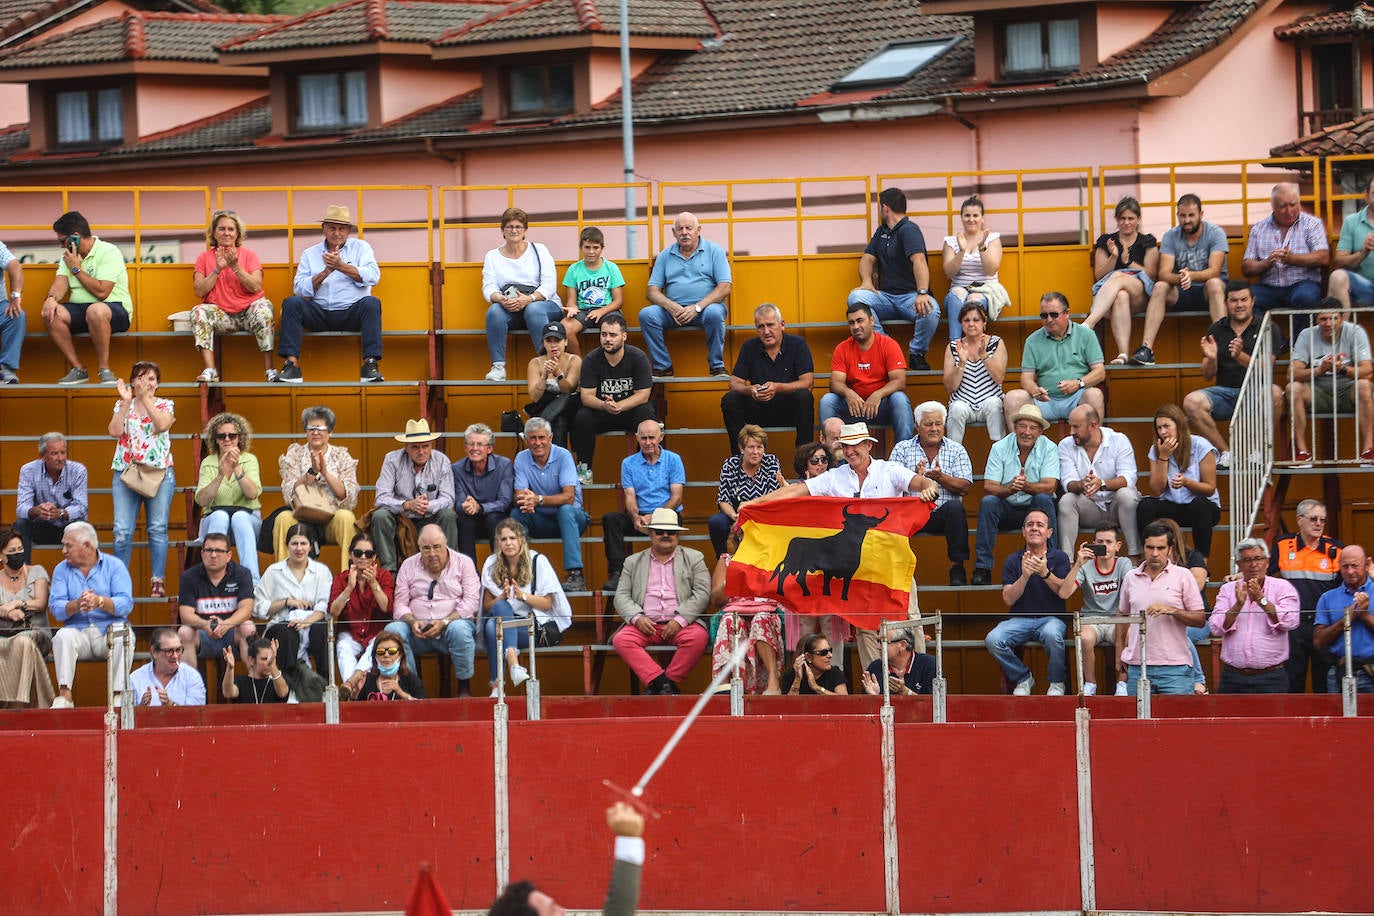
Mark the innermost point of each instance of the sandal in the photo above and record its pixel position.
(1121, 359)
(158, 588)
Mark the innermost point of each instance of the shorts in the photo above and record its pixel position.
(119, 316)
(1192, 299)
(589, 323)
(1361, 288)
(1223, 401)
(1059, 408)
(1106, 632)
(1321, 398)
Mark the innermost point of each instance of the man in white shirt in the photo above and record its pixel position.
(1098, 469)
(167, 680)
(861, 474)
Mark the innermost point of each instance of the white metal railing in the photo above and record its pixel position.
(1252, 438)
(939, 690)
(1143, 689)
(1330, 378)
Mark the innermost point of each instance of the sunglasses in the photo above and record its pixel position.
(825, 652)
(818, 459)
(226, 436)
(1045, 316)
(363, 554)
(317, 429)
(387, 651)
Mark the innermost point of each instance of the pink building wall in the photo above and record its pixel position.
(165, 102)
(604, 71)
(409, 84)
(1121, 25)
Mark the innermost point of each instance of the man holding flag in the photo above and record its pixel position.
(883, 555)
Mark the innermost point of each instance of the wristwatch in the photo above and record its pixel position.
(16, 294)
(923, 292)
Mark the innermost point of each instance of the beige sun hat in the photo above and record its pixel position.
(1030, 412)
(664, 520)
(338, 213)
(416, 431)
(853, 434)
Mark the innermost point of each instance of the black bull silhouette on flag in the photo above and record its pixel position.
(836, 556)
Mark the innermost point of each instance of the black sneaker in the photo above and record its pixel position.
(669, 689)
(657, 687)
(1143, 356)
(719, 371)
(291, 374)
(369, 372)
(917, 362)
(575, 581)
(981, 576)
(666, 372)
(612, 583)
(956, 575)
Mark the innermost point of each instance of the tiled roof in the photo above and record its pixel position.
(450, 117)
(1355, 136)
(137, 36)
(542, 18)
(1331, 22)
(233, 130)
(362, 21)
(13, 140)
(772, 56)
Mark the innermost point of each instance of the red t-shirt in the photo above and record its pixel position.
(866, 372)
(228, 293)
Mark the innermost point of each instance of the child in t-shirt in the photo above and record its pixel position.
(1099, 572)
(594, 288)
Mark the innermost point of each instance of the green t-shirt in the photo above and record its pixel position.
(593, 286)
(1353, 230)
(105, 262)
(1055, 361)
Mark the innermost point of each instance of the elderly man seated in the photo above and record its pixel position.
(438, 596)
(416, 483)
(167, 680)
(662, 593)
(1022, 475)
(908, 672)
(91, 594)
(51, 495)
(1331, 372)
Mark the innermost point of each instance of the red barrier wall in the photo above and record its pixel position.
(1233, 816)
(52, 822)
(988, 817)
(763, 814)
(303, 818)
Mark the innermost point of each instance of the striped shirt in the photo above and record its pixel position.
(1305, 236)
(976, 385)
(952, 456)
(737, 487)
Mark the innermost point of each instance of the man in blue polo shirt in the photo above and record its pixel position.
(548, 497)
(1031, 579)
(687, 288)
(652, 478)
(1354, 592)
(902, 289)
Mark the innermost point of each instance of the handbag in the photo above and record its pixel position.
(310, 504)
(511, 422)
(143, 479)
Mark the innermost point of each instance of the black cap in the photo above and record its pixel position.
(554, 329)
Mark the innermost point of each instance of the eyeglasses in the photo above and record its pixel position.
(1315, 519)
(226, 436)
(363, 554)
(826, 652)
(317, 429)
(1045, 316)
(174, 651)
(818, 459)
(214, 550)
(1257, 559)
(387, 651)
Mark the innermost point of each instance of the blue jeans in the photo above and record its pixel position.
(11, 339)
(156, 508)
(1361, 289)
(953, 303)
(654, 322)
(459, 641)
(246, 526)
(1301, 295)
(567, 522)
(900, 306)
(1363, 682)
(1196, 635)
(1017, 631)
(893, 412)
(512, 639)
(363, 317)
(532, 318)
(1171, 679)
(996, 514)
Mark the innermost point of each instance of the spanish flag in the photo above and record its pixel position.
(830, 555)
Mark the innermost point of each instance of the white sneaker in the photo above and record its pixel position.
(495, 691)
(208, 375)
(1089, 689)
(62, 703)
(1056, 689)
(1023, 689)
(497, 372)
(1121, 689)
(271, 375)
(518, 675)
(584, 474)
(1224, 461)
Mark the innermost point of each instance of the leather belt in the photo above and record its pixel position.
(1251, 672)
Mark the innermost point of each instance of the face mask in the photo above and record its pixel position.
(390, 670)
(14, 561)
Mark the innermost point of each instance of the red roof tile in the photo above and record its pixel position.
(544, 18)
(1355, 136)
(137, 36)
(1331, 22)
(362, 21)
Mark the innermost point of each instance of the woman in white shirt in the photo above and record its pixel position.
(293, 597)
(970, 258)
(519, 583)
(520, 283)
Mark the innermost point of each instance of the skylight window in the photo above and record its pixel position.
(894, 63)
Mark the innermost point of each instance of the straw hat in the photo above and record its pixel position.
(337, 213)
(417, 431)
(1030, 412)
(854, 433)
(664, 520)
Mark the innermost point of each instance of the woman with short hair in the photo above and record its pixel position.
(230, 486)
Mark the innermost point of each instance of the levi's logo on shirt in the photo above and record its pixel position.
(865, 366)
(1109, 587)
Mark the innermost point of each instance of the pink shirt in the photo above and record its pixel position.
(1255, 641)
(456, 590)
(228, 292)
(1166, 637)
(660, 593)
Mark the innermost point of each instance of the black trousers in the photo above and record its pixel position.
(471, 527)
(1201, 515)
(795, 408)
(1301, 654)
(589, 422)
(952, 521)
